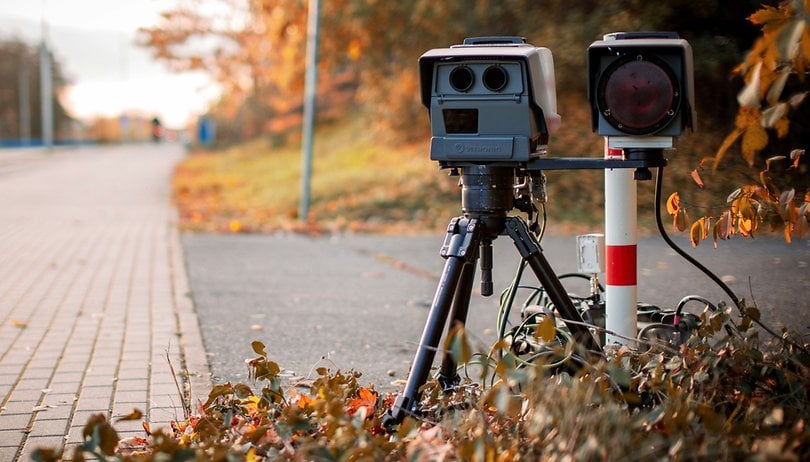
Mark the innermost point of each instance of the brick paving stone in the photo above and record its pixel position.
(49, 428)
(36, 442)
(33, 384)
(8, 453)
(132, 384)
(59, 399)
(19, 407)
(131, 397)
(11, 437)
(62, 411)
(14, 421)
(94, 270)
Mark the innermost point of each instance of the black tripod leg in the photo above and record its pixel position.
(448, 378)
(459, 247)
(530, 250)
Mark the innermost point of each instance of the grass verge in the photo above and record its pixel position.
(355, 186)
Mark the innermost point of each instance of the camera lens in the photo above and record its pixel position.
(495, 78)
(462, 78)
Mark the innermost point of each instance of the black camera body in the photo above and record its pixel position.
(641, 88)
(491, 100)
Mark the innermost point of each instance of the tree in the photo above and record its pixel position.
(369, 48)
(19, 66)
(770, 132)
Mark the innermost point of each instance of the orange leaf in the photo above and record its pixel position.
(721, 151)
(365, 398)
(745, 226)
(135, 414)
(698, 231)
(754, 140)
(546, 330)
(305, 401)
(673, 203)
(696, 176)
(768, 15)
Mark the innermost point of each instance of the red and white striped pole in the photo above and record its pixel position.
(621, 291)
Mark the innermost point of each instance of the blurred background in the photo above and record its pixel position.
(241, 62)
(222, 73)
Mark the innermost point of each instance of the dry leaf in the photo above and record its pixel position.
(696, 176)
(698, 231)
(673, 203)
(546, 330)
(135, 414)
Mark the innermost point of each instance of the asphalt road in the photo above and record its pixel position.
(360, 302)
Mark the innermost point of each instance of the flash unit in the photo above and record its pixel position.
(641, 90)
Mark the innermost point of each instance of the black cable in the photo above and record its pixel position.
(511, 299)
(661, 230)
(658, 180)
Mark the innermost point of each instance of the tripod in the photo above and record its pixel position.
(487, 196)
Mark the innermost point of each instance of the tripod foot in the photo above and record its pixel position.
(402, 406)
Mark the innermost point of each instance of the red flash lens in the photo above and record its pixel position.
(638, 96)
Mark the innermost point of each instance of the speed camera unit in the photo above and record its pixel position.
(641, 88)
(491, 99)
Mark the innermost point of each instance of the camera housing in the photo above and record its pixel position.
(490, 99)
(641, 88)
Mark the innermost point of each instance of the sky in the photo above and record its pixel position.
(94, 42)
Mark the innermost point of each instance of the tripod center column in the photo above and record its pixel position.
(487, 190)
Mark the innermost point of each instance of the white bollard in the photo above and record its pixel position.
(621, 293)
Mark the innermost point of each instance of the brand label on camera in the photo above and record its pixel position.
(476, 149)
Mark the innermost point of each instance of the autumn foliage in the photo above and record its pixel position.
(775, 88)
(717, 396)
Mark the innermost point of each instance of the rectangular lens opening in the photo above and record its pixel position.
(460, 120)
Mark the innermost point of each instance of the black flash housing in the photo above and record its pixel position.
(641, 88)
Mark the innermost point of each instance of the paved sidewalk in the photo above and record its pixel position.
(93, 296)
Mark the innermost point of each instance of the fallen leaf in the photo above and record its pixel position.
(135, 414)
(365, 398)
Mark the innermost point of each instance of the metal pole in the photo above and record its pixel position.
(25, 104)
(46, 94)
(621, 291)
(310, 93)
